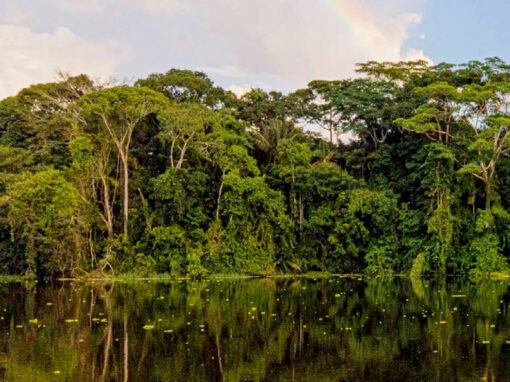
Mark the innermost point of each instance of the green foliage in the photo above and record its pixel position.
(168, 247)
(293, 154)
(41, 211)
(185, 86)
(380, 259)
(255, 224)
(82, 152)
(487, 254)
(176, 175)
(417, 269)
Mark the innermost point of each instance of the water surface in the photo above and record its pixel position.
(370, 329)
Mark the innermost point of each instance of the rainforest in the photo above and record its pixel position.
(402, 169)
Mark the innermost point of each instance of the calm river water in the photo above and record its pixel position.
(339, 329)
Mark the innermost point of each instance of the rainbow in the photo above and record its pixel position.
(360, 26)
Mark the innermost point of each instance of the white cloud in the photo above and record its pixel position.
(79, 6)
(389, 36)
(96, 6)
(227, 71)
(299, 40)
(293, 40)
(13, 16)
(240, 90)
(415, 54)
(27, 57)
(163, 5)
(285, 43)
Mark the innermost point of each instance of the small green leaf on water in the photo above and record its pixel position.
(148, 327)
(71, 320)
(168, 331)
(56, 372)
(34, 321)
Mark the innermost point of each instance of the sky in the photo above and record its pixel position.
(268, 44)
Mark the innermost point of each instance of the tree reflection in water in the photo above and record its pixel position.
(257, 330)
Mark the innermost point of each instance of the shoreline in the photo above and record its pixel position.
(128, 278)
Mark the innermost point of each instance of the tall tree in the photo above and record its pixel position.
(185, 126)
(317, 105)
(436, 116)
(366, 108)
(487, 111)
(187, 86)
(119, 111)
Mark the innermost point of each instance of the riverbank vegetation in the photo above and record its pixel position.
(176, 175)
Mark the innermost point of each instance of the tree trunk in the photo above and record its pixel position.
(301, 211)
(488, 195)
(183, 151)
(125, 166)
(373, 135)
(219, 198)
(107, 207)
(172, 153)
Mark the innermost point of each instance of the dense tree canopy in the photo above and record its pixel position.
(177, 175)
